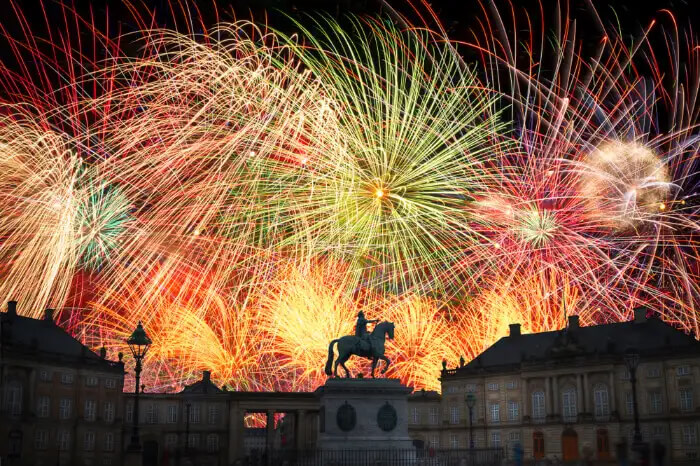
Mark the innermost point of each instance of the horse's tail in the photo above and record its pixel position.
(329, 363)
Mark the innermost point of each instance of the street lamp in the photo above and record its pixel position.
(632, 361)
(471, 402)
(138, 344)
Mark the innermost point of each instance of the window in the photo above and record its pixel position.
(13, 398)
(601, 402)
(415, 416)
(109, 411)
(194, 414)
(493, 387)
(14, 447)
(654, 371)
(626, 374)
(90, 408)
(41, 439)
(64, 408)
(689, 435)
(495, 439)
(655, 403)
(683, 370)
(107, 461)
(43, 405)
(89, 441)
(454, 441)
(152, 414)
(110, 383)
(172, 414)
(538, 445)
(434, 441)
(470, 387)
(538, 411)
(129, 412)
(170, 441)
(629, 403)
(452, 389)
(45, 375)
(568, 405)
(109, 442)
(63, 440)
(212, 443)
(91, 381)
(686, 399)
(513, 410)
(213, 414)
(514, 436)
(454, 415)
(511, 385)
(658, 432)
(193, 441)
(67, 378)
(495, 410)
(434, 415)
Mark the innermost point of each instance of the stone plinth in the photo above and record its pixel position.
(363, 414)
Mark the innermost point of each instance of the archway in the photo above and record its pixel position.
(569, 445)
(150, 453)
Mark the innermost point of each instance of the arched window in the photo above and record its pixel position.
(13, 398)
(568, 405)
(538, 411)
(601, 402)
(538, 445)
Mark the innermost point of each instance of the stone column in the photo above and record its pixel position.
(548, 396)
(270, 431)
(555, 395)
(299, 429)
(579, 394)
(236, 433)
(586, 393)
(524, 397)
(613, 393)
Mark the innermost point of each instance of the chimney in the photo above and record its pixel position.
(12, 308)
(573, 322)
(206, 375)
(48, 315)
(640, 315)
(514, 330)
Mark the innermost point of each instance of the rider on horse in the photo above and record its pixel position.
(361, 331)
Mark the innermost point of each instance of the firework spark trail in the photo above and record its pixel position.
(257, 190)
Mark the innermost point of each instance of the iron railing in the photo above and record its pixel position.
(407, 457)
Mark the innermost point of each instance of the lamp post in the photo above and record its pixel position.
(138, 344)
(632, 361)
(471, 402)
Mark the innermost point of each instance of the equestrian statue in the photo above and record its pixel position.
(362, 344)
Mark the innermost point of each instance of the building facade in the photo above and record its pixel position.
(61, 403)
(568, 394)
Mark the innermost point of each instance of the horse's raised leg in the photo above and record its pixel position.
(374, 365)
(387, 361)
(347, 372)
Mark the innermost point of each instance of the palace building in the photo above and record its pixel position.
(61, 402)
(568, 393)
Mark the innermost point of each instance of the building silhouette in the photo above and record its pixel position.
(566, 394)
(61, 403)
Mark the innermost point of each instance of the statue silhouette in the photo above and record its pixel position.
(361, 344)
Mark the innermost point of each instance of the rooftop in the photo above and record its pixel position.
(648, 336)
(42, 337)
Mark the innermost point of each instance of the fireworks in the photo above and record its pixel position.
(245, 193)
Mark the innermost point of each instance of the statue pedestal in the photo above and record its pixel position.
(364, 415)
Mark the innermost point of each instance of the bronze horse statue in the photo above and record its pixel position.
(350, 345)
